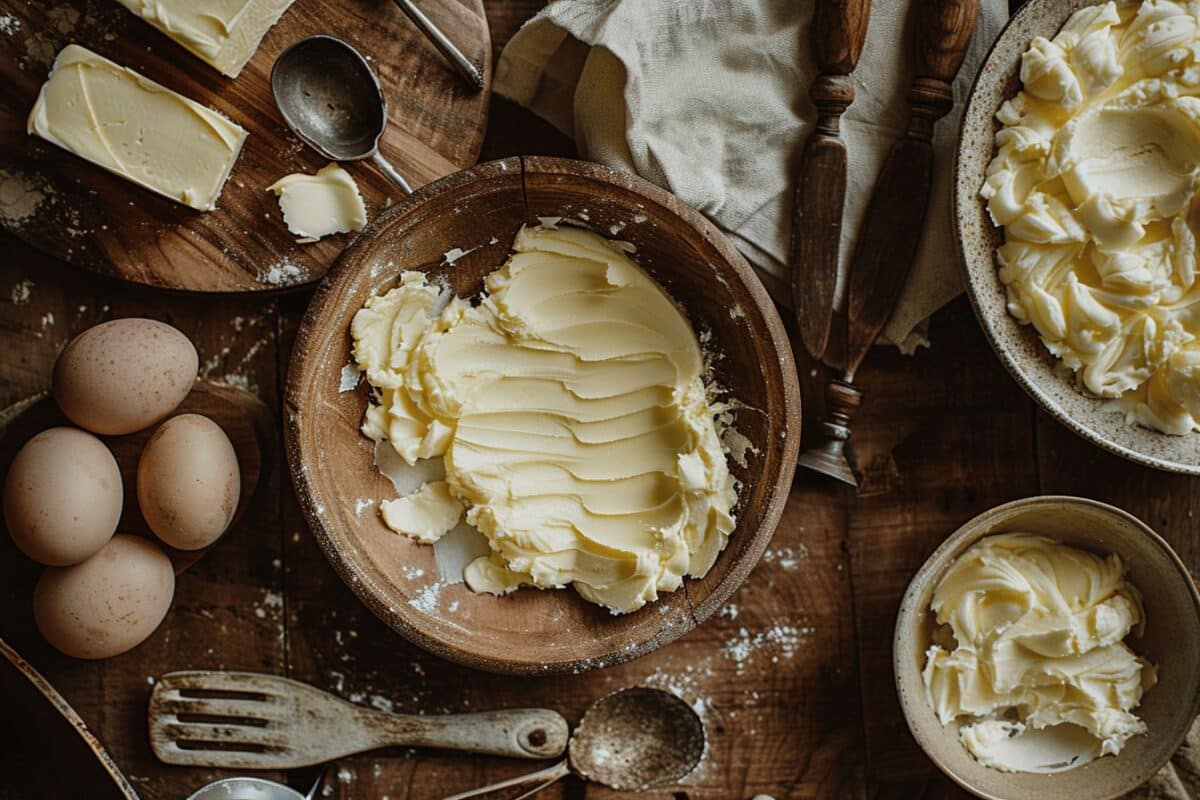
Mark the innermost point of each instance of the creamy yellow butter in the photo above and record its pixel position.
(224, 33)
(319, 205)
(570, 409)
(132, 126)
(1098, 162)
(1031, 661)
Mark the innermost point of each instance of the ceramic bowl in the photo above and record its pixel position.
(479, 211)
(1018, 345)
(1171, 642)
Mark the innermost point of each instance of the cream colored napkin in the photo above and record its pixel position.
(709, 99)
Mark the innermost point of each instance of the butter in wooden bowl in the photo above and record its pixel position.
(1031, 659)
(1094, 179)
(570, 409)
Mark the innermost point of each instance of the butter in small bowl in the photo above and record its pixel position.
(1013, 567)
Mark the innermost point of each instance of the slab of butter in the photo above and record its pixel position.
(319, 205)
(136, 128)
(223, 33)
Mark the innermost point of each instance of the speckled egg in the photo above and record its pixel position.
(107, 604)
(62, 496)
(124, 375)
(189, 482)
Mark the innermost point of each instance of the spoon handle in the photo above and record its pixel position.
(464, 65)
(547, 776)
(391, 173)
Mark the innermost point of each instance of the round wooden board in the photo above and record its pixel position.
(78, 212)
(332, 464)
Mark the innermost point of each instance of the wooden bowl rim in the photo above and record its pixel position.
(1083, 424)
(755, 543)
(971, 531)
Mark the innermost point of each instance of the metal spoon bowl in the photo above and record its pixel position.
(331, 98)
(632, 740)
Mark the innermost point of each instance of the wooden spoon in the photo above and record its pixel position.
(895, 218)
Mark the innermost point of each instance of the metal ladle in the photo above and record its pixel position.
(633, 740)
(331, 98)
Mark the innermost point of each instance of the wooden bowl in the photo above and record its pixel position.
(1018, 346)
(480, 210)
(1171, 642)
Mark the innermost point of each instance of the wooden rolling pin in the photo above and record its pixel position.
(839, 30)
(895, 218)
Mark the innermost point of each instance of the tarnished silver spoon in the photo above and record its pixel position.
(331, 98)
(633, 740)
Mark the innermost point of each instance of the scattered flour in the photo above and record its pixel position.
(427, 599)
(21, 291)
(20, 197)
(786, 557)
(285, 273)
(9, 24)
(783, 640)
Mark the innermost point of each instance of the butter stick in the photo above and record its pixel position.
(136, 128)
(223, 33)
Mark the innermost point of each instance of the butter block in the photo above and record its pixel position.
(223, 33)
(136, 128)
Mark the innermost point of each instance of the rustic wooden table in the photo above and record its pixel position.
(793, 678)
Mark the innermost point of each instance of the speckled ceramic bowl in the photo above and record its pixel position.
(1171, 642)
(1018, 345)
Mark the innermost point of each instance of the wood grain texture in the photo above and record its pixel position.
(839, 32)
(81, 214)
(532, 632)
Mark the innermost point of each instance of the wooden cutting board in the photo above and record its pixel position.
(82, 214)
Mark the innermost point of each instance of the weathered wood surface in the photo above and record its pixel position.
(793, 678)
(84, 215)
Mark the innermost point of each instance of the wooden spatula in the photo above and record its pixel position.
(839, 29)
(243, 720)
(895, 217)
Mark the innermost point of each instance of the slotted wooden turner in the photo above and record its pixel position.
(243, 720)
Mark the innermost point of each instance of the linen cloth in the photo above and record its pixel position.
(709, 99)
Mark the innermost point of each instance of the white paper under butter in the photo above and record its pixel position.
(136, 128)
(224, 33)
(319, 205)
(570, 411)
(1037, 673)
(1094, 181)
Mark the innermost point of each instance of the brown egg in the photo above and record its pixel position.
(189, 482)
(124, 375)
(62, 496)
(108, 604)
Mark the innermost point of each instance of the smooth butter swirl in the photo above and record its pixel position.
(1037, 671)
(570, 408)
(1098, 162)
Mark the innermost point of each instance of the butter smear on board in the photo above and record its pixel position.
(319, 205)
(136, 128)
(570, 409)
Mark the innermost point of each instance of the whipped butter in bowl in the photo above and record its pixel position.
(1050, 647)
(1032, 660)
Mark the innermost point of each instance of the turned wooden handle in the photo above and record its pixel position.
(517, 733)
(944, 30)
(839, 30)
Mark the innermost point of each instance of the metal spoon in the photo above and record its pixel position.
(465, 66)
(634, 740)
(331, 98)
